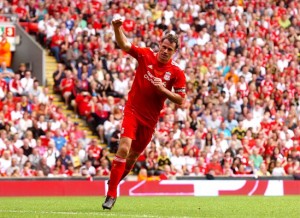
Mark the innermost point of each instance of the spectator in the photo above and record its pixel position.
(256, 158)
(64, 158)
(59, 140)
(214, 168)
(177, 159)
(88, 169)
(5, 72)
(58, 76)
(104, 169)
(15, 86)
(12, 168)
(5, 51)
(66, 85)
(27, 83)
(230, 68)
(6, 162)
(115, 138)
(51, 154)
(143, 175)
(121, 85)
(263, 171)
(278, 169)
(27, 150)
(163, 160)
(43, 169)
(167, 173)
(35, 91)
(34, 158)
(21, 158)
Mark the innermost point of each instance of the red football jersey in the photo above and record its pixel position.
(144, 99)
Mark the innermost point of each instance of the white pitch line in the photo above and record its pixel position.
(88, 213)
(75, 213)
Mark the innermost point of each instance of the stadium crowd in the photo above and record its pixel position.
(241, 117)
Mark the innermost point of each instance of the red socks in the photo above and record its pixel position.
(117, 171)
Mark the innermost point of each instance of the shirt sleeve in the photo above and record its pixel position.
(180, 84)
(136, 51)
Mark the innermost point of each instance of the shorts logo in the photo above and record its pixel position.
(167, 76)
(122, 130)
(150, 66)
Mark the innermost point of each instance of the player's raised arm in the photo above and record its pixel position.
(121, 39)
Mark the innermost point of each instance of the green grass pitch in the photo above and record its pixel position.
(151, 207)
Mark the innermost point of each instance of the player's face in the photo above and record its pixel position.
(166, 51)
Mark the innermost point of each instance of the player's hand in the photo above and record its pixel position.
(117, 21)
(157, 82)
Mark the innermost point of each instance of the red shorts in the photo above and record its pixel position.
(134, 129)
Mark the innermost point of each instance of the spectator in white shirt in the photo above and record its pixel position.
(258, 112)
(25, 122)
(51, 154)
(88, 169)
(178, 160)
(42, 123)
(246, 74)
(212, 121)
(30, 139)
(168, 14)
(181, 114)
(50, 28)
(43, 97)
(184, 25)
(35, 91)
(121, 85)
(17, 113)
(220, 24)
(282, 63)
(27, 83)
(249, 122)
(278, 170)
(21, 158)
(5, 161)
(17, 142)
(203, 37)
(190, 160)
(55, 123)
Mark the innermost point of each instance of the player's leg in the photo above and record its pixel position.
(130, 161)
(129, 128)
(143, 137)
(118, 166)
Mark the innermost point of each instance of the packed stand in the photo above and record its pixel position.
(241, 60)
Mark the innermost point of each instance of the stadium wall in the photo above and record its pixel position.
(150, 188)
(28, 51)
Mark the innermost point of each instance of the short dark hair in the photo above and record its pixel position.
(172, 37)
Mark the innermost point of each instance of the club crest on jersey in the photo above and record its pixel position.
(167, 76)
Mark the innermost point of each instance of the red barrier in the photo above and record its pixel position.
(291, 187)
(51, 188)
(150, 188)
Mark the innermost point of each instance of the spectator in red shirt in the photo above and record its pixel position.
(66, 85)
(214, 167)
(96, 149)
(56, 41)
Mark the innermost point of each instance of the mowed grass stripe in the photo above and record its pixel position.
(150, 207)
